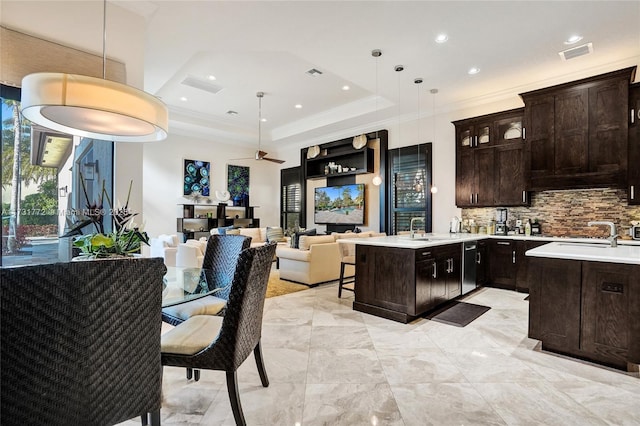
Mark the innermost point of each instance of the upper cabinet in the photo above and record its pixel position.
(633, 190)
(490, 160)
(576, 133)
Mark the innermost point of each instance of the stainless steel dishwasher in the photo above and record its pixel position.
(469, 251)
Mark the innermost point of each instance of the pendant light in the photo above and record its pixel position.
(434, 92)
(93, 107)
(418, 184)
(376, 53)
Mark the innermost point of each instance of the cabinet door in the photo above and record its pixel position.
(465, 182)
(484, 171)
(425, 272)
(522, 263)
(554, 303)
(454, 276)
(539, 137)
(509, 129)
(502, 267)
(571, 131)
(482, 263)
(633, 171)
(609, 305)
(510, 178)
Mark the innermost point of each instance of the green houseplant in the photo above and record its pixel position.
(124, 241)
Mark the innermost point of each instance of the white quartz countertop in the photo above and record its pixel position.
(591, 251)
(421, 240)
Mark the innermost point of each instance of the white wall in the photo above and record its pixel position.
(162, 175)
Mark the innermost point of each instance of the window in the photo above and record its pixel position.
(290, 198)
(411, 187)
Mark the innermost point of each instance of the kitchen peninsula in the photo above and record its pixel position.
(400, 278)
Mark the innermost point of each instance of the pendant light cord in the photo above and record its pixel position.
(104, 40)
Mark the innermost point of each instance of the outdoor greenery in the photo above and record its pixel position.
(17, 171)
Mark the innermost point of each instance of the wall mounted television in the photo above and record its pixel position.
(339, 205)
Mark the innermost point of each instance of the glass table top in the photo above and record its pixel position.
(184, 284)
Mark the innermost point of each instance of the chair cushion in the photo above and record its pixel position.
(191, 336)
(222, 230)
(209, 305)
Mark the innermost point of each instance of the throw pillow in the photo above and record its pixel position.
(232, 232)
(222, 230)
(295, 240)
(275, 234)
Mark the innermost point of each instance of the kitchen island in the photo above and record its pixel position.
(401, 278)
(585, 301)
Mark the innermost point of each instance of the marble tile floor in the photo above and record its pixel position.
(330, 365)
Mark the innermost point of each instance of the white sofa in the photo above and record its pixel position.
(190, 254)
(317, 259)
(164, 246)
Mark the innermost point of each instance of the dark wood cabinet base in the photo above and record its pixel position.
(383, 313)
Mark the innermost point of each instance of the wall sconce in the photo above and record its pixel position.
(377, 180)
(434, 189)
(90, 170)
(62, 191)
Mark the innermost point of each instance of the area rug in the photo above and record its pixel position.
(278, 287)
(459, 314)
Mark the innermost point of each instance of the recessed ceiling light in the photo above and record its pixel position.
(573, 39)
(263, 119)
(441, 38)
(183, 99)
(473, 70)
(345, 87)
(211, 77)
(298, 106)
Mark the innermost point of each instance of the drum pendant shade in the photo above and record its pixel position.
(93, 107)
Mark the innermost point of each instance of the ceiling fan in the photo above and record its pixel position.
(261, 155)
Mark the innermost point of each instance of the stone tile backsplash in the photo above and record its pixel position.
(566, 213)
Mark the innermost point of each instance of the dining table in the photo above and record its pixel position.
(183, 284)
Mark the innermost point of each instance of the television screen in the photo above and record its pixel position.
(339, 205)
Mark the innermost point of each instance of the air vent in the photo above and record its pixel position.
(205, 85)
(314, 72)
(574, 52)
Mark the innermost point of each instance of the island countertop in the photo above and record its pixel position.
(420, 241)
(592, 251)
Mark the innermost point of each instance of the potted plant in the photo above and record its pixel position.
(124, 241)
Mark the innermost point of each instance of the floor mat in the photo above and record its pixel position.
(458, 313)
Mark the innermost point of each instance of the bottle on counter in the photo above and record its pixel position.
(527, 228)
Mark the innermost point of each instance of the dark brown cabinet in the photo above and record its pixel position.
(576, 133)
(482, 263)
(490, 169)
(401, 284)
(508, 263)
(502, 264)
(586, 309)
(633, 194)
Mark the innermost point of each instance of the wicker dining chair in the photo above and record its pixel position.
(80, 342)
(224, 342)
(221, 257)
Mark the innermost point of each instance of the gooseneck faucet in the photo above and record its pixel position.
(613, 236)
(412, 233)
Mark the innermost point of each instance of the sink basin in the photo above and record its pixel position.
(425, 237)
(587, 245)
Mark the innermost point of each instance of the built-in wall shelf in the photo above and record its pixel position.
(198, 219)
(349, 160)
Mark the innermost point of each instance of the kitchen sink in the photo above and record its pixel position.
(604, 245)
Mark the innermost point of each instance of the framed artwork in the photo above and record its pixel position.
(196, 178)
(238, 183)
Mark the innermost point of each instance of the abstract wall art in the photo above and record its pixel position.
(196, 178)
(238, 184)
